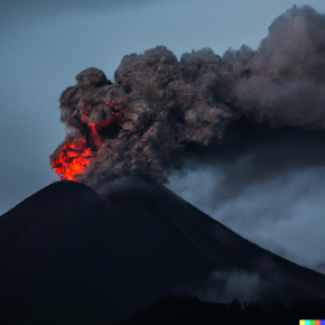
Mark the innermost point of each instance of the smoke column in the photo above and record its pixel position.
(159, 106)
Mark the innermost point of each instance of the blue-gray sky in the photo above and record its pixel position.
(45, 44)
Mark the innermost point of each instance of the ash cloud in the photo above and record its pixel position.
(267, 184)
(134, 125)
(162, 110)
(282, 83)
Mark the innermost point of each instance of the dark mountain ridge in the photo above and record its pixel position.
(115, 252)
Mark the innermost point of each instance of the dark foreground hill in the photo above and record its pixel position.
(115, 253)
(191, 311)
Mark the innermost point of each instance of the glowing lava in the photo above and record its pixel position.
(96, 125)
(73, 159)
(104, 129)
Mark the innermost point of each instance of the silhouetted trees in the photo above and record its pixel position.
(191, 311)
(169, 310)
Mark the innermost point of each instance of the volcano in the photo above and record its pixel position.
(119, 250)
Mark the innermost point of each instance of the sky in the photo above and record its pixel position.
(44, 45)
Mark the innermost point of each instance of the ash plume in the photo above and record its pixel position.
(282, 82)
(159, 105)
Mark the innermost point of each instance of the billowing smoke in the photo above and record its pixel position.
(156, 107)
(159, 106)
(283, 81)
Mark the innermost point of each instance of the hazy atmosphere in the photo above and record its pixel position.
(267, 185)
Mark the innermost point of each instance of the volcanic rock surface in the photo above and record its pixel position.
(135, 242)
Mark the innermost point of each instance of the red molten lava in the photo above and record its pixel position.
(72, 160)
(104, 129)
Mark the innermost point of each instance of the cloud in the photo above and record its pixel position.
(277, 214)
(223, 287)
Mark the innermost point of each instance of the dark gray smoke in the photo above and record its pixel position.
(160, 107)
(283, 81)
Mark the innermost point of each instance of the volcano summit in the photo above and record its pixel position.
(116, 252)
(110, 236)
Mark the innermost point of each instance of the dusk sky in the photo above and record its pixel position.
(44, 45)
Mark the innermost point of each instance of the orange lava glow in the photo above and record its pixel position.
(94, 135)
(73, 159)
(77, 154)
(96, 127)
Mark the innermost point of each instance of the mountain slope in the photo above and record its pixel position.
(115, 252)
